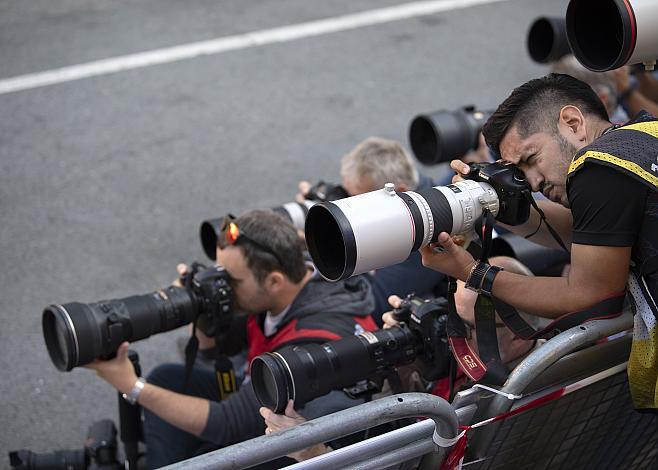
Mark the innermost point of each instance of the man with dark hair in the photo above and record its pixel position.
(603, 184)
(283, 302)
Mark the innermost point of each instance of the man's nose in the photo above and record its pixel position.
(536, 181)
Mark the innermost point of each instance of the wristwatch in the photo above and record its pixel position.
(131, 397)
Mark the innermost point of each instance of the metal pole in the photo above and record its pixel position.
(370, 448)
(327, 428)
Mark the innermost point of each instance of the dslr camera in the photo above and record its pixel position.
(77, 333)
(99, 453)
(381, 228)
(302, 373)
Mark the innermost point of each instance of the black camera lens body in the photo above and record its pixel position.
(444, 135)
(547, 40)
(77, 333)
(60, 459)
(381, 228)
(100, 448)
(302, 373)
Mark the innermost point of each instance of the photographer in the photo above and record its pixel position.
(367, 167)
(512, 350)
(602, 183)
(285, 302)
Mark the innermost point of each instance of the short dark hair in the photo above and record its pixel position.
(535, 107)
(271, 230)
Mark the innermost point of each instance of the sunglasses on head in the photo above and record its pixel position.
(231, 235)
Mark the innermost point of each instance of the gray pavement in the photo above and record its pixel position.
(104, 181)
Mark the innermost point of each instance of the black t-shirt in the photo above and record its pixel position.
(608, 206)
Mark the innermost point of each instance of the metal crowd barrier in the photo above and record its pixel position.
(591, 425)
(336, 425)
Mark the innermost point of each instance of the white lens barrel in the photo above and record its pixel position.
(467, 200)
(383, 228)
(646, 17)
(607, 34)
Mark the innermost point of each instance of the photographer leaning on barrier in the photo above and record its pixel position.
(512, 350)
(283, 301)
(602, 182)
(367, 167)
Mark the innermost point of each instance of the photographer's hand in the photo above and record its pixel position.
(462, 169)
(388, 319)
(453, 260)
(304, 188)
(277, 422)
(118, 372)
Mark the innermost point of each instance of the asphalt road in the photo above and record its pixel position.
(104, 180)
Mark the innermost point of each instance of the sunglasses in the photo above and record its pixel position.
(231, 235)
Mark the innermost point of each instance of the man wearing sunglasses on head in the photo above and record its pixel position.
(279, 300)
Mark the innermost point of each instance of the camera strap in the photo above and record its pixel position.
(542, 219)
(226, 382)
(485, 367)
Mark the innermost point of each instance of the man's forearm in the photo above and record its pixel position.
(548, 297)
(183, 411)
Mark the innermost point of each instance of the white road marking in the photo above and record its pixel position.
(233, 43)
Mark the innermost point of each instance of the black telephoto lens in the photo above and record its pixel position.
(77, 333)
(444, 135)
(547, 40)
(325, 367)
(61, 459)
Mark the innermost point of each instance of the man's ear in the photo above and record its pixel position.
(274, 282)
(401, 187)
(572, 123)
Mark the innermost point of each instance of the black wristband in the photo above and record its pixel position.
(487, 282)
(475, 278)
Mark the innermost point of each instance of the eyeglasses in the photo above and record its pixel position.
(231, 235)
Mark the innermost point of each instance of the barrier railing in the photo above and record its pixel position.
(571, 350)
(326, 428)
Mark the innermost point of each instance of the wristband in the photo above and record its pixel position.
(131, 397)
(487, 282)
(476, 277)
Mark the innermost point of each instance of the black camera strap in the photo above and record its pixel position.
(542, 219)
(485, 367)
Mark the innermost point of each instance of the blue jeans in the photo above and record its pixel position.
(166, 444)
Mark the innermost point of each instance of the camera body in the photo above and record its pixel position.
(510, 185)
(304, 372)
(99, 453)
(77, 333)
(213, 294)
(427, 320)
